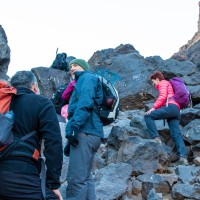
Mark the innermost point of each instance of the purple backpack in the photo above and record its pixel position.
(181, 94)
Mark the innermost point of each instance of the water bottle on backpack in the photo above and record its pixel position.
(10, 114)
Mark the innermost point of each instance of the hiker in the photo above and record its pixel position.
(84, 131)
(166, 107)
(66, 97)
(19, 171)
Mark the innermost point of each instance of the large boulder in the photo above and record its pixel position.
(4, 54)
(49, 79)
(129, 72)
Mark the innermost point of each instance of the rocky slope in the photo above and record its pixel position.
(129, 165)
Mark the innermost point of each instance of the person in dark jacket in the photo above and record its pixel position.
(19, 171)
(84, 131)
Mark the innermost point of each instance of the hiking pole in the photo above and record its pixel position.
(56, 51)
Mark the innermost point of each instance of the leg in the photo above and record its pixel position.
(162, 113)
(150, 120)
(94, 142)
(80, 183)
(177, 137)
(151, 126)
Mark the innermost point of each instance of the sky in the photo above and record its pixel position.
(36, 28)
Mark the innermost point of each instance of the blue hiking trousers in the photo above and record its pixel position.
(172, 114)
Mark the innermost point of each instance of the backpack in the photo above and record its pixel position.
(6, 123)
(181, 94)
(109, 109)
(57, 100)
(7, 141)
(60, 62)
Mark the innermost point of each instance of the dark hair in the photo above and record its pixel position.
(23, 79)
(158, 75)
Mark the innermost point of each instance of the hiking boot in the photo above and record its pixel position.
(158, 140)
(183, 161)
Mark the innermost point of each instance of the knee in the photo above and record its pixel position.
(146, 117)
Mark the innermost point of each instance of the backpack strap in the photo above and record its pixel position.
(10, 148)
(28, 135)
(191, 103)
(43, 177)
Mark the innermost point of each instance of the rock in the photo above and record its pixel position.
(108, 178)
(197, 161)
(183, 191)
(49, 79)
(4, 54)
(153, 181)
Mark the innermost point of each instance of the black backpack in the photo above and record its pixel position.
(109, 109)
(57, 100)
(60, 62)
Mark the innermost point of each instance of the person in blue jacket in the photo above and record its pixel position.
(84, 131)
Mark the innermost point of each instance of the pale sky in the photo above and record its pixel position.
(36, 28)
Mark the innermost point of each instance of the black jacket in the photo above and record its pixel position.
(35, 112)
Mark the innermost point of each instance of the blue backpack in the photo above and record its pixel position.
(181, 94)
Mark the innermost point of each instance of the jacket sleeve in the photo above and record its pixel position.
(68, 91)
(53, 151)
(85, 104)
(162, 98)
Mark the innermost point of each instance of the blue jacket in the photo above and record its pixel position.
(87, 93)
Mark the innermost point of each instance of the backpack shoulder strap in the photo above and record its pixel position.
(28, 135)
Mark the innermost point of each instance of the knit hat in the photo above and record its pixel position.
(82, 63)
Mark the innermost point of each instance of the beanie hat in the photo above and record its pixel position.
(82, 63)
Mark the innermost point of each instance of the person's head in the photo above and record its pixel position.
(78, 65)
(157, 77)
(25, 79)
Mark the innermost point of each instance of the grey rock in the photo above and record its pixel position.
(183, 191)
(108, 178)
(4, 54)
(191, 132)
(154, 196)
(49, 79)
(144, 155)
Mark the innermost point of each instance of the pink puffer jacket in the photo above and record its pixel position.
(68, 91)
(165, 92)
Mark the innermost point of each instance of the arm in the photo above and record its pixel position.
(53, 152)
(68, 91)
(163, 92)
(58, 194)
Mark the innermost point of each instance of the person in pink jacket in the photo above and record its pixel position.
(68, 91)
(66, 96)
(165, 107)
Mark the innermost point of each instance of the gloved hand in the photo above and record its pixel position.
(73, 139)
(67, 149)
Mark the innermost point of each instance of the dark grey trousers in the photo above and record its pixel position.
(80, 181)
